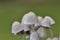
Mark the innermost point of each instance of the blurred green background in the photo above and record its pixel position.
(13, 10)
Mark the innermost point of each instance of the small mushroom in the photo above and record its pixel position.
(39, 21)
(28, 21)
(34, 36)
(17, 28)
(42, 33)
(47, 23)
(39, 28)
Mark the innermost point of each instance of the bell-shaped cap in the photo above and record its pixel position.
(47, 22)
(50, 19)
(34, 36)
(29, 18)
(42, 32)
(55, 38)
(49, 39)
(39, 21)
(16, 27)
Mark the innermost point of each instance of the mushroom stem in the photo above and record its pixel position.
(51, 32)
(21, 37)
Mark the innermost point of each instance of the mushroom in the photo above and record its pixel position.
(17, 28)
(39, 28)
(34, 36)
(39, 21)
(47, 23)
(38, 24)
(28, 21)
(42, 33)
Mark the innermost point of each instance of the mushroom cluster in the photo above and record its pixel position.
(33, 26)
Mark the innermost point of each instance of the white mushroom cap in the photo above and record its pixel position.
(39, 21)
(34, 36)
(42, 32)
(51, 20)
(29, 18)
(55, 38)
(49, 39)
(47, 22)
(16, 27)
